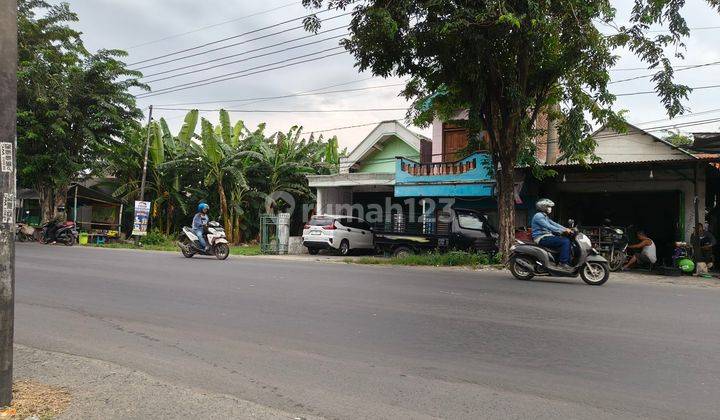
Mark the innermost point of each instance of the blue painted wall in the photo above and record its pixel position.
(476, 182)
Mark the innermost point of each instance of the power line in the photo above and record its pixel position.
(285, 111)
(650, 75)
(245, 70)
(213, 25)
(246, 59)
(244, 52)
(652, 91)
(227, 46)
(289, 95)
(235, 36)
(346, 127)
(205, 83)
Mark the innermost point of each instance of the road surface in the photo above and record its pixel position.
(352, 341)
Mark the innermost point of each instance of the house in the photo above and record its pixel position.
(366, 176)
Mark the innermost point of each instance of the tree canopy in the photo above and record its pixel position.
(71, 102)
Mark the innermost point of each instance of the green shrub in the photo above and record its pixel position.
(155, 237)
(435, 258)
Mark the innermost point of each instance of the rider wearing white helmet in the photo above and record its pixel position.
(546, 233)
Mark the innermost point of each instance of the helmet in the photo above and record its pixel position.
(203, 206)
(544, 204)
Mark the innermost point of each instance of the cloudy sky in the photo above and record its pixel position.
(149, 29)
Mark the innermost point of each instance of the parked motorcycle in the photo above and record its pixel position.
(25, 232)
(616, 252)
(189, 243)
(65, 233)
(528, 260)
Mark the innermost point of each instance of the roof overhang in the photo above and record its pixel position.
(351, 180)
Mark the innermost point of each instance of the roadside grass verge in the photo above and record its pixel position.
(247, 250)
(435, 259)
(156, 241)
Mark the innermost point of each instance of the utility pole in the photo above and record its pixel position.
(8, 117)
(147, 146)
(144, 174)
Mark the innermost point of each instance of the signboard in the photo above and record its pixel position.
(142, 215)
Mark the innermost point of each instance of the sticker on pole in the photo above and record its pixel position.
(8, 208)
(6, 157)
(142, 215)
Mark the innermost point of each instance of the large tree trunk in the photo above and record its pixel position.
(506, 207)
(47, 203)
(61, 194)
(227, 223)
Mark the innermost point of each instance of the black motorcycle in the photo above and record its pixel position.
(528, 260)
(616, 251)
(65, 233)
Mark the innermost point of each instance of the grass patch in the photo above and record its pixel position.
(246, 250)
(435, 259)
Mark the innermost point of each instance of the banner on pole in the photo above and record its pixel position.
(142, 215)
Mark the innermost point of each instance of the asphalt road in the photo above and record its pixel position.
(352, 341)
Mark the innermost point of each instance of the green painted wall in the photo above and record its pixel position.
(383, 161)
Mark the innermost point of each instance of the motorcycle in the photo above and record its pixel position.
(25, 232)
(616, 252)
(65, 233)
(189, 243)
(528, 260)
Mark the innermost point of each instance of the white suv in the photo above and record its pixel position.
(343, 233)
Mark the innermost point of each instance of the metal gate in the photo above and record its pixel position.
(274, 233)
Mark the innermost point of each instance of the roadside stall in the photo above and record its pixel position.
(98, 216)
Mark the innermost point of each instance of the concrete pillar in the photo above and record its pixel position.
(319, 203)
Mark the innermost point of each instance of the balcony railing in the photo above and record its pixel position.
(471, 176)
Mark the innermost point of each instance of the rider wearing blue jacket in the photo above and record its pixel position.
(199, 222)
(546, 233)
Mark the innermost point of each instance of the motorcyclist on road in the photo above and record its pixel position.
(547, 233)
(201, 220)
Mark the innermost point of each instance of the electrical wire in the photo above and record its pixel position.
(652, 91)
(214, 25)
(209, 82)
(244, 52)
(245, 59)
(651, 75)
(284, 111)
(258, 99)
(207, 44)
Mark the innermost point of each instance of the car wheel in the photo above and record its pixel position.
(402, 252)
(313, 251)
(345, 247)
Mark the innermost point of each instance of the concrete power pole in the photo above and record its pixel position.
(8, 108)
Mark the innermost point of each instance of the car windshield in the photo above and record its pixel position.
(320, 221)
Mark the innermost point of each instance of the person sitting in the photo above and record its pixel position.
(702, 242)
(546, 233)
(647, 254)
(199, 222)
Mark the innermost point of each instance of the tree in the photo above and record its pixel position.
(679, 140)
(505, 61)
(70, 102)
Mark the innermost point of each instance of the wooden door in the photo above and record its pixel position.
(455, 139)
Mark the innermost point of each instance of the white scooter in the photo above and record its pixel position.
(189, 243)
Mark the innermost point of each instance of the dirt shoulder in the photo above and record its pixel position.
(102, 390)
